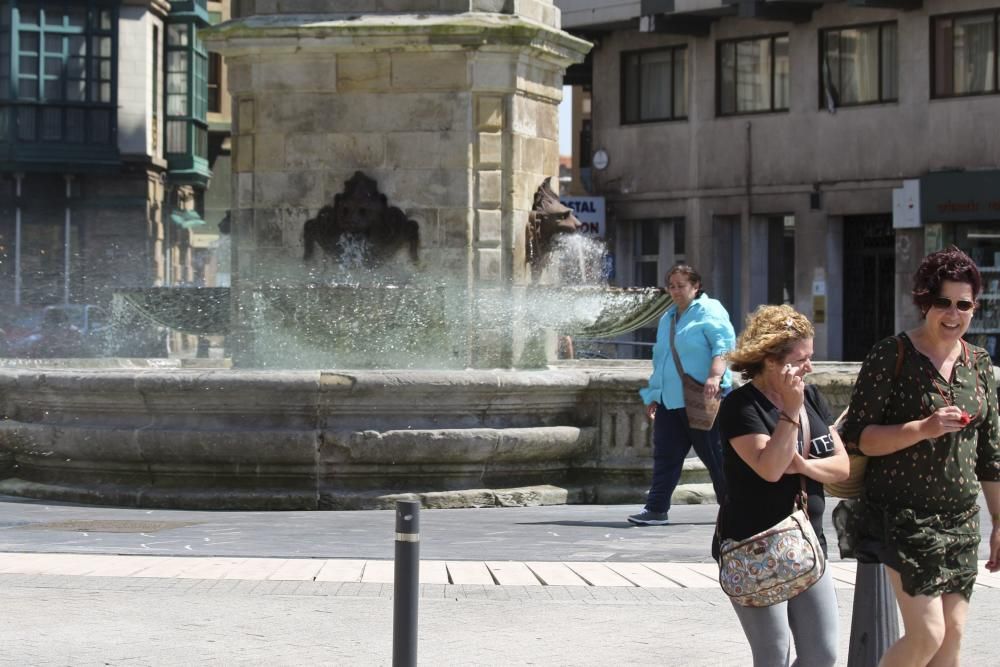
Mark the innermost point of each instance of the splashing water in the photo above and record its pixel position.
(345, 313)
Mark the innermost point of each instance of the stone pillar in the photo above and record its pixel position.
(874, 623)
(451, 106)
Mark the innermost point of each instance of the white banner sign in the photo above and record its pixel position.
(589, 211)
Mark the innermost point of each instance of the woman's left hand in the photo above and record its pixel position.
(712, 386)
(797, 465)
(993, 564)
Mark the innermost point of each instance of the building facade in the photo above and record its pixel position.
(797, 152)
(105, 148)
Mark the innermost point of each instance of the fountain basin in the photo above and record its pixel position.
(211, 438)
(411, 326)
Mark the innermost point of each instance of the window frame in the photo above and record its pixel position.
(94, 118)
(719, 44)
(932, 60)
(194, 119)
(823, 32)
(623, 97)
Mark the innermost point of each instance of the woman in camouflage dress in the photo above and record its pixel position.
(932, 437)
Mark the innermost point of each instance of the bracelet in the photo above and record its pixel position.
(786, 418)
(996, 517)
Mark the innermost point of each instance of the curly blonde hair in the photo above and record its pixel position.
(771, 332)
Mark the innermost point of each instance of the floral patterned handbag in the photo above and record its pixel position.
(779, 563)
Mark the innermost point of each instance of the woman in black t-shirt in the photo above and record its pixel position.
(762, 460)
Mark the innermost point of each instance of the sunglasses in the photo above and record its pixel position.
(944, 303)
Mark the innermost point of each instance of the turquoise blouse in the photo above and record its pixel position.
(703, 332)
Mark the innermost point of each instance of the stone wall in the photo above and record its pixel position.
(454, 116)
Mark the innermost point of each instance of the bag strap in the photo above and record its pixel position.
(673, 348)
(803, 496)
(806, 446)
(975, 371)
(900, 355)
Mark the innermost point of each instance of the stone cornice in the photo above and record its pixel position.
(158, 7)
(342, 33)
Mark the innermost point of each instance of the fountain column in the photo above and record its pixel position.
(449, 105)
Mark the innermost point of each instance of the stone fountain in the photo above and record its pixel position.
(392, 316)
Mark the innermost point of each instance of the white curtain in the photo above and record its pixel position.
(753, 75)
(974, 57)
(859, 58)
(654, 76)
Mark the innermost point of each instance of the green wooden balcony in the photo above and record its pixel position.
(54, 137)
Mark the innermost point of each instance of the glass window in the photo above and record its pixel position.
(62, 59)
(177, 136)
(4, 62)
(859, 65)
(654, 85)
(100, 125)
(75, 130)
(51, 124)
(964, 52)
(156, 91)
(214, 82)
(649, 238)
(753, 75)
(186, 91)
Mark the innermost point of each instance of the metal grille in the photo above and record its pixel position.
(869, 283)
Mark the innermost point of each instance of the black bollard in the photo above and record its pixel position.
(874, 624)
(406, 584)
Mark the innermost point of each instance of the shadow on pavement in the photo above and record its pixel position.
(612, 524)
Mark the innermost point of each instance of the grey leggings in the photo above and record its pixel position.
(812, 619)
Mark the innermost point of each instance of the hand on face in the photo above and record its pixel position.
(787, 373)
(791, 387)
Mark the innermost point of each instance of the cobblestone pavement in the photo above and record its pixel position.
(78, 620)
(78, 587)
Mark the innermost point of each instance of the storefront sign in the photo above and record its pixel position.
(589, 211)
(819, 297)
(906, 205)
(960, 196)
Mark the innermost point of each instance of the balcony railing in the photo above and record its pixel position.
(68, 133)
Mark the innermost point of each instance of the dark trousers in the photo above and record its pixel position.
(672, 440)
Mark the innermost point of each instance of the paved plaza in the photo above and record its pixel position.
(561, 585)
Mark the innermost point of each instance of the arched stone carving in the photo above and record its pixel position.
(363, 211)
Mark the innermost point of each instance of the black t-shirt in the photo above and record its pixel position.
(753, 504)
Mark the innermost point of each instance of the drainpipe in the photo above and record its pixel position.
(17, 238)
(749, 167)
(66, 245)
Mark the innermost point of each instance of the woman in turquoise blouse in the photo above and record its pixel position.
(703, 335)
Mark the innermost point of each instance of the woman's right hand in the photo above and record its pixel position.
(943, 421)
(792, 389)
(651, 410)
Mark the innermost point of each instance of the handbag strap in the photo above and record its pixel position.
(806, 446)
(673, 348)
(803, 496)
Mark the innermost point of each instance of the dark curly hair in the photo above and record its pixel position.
(949, 264)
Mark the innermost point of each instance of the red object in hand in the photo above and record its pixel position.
(965, 418)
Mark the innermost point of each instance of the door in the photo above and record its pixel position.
(869, 283)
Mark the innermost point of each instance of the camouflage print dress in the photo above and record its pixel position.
(918, 510)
